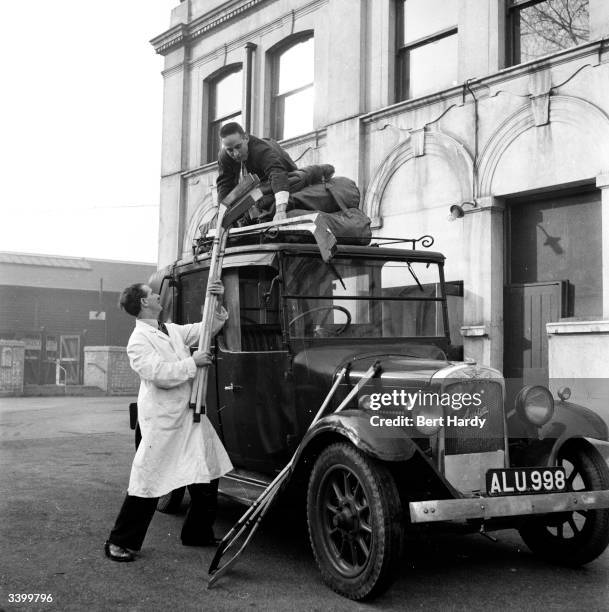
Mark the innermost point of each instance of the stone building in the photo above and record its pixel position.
(498, 106)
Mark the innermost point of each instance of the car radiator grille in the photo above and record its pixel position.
(467, 439)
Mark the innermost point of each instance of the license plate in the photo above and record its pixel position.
(523, 481)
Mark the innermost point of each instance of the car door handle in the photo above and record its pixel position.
(233, 387)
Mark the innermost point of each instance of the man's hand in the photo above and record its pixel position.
(202, 358)
(216, 287)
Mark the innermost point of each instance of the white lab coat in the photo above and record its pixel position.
(174, 450)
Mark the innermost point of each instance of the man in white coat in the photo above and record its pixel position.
(174, 450)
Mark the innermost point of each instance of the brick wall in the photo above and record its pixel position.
(107, 367)
(12, 356)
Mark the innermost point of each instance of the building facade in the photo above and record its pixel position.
(58, 305)
(498, 106)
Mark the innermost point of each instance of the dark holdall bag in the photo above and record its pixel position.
(337, 202)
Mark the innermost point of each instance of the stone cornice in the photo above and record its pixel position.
(175, 36)
(227, 12)
(168, 40)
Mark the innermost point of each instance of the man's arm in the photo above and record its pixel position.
(190, 333)
(148, 364)
(275, 164)
(227, 175)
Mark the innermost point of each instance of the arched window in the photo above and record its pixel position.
(293, 88)
(225, 98)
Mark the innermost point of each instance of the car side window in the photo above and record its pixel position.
(252, 301)
(192, 288)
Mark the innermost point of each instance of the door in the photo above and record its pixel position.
(528, 307)
(69, 358)
(254, 386)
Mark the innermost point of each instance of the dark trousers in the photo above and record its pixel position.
(136, 513)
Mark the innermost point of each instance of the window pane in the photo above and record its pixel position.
(296, 67)
(551, 26)
(298, 113)
(402, 298)
(433, 66)
(228, 93)
(425, 17)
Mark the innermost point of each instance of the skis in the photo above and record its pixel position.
(247, 525)
(233, 207)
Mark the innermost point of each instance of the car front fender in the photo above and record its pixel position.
(355, 426)
(572, 421)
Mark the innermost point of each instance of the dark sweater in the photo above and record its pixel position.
(265, 158)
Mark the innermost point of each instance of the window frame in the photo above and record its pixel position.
(214, 125)
(278, 100)
(402, 55)
(513, 8)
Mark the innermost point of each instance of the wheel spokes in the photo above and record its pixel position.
(363, 546)
(347, 525)
(337, 491)
(573, 526)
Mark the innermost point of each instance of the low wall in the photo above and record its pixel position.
(578, 354)
(12, 357)
(107, 367)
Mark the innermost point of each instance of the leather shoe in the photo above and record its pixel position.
(118, 553)
(206, 542)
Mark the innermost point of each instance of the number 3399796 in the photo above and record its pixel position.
(30, 597)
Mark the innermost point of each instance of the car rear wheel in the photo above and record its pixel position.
(573, 538)
(172, 502)
(354, 516)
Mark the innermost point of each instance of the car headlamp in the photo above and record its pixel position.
(535, 404)
(428, 419)
(363, 402)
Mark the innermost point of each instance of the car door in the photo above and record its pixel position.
(255, 394)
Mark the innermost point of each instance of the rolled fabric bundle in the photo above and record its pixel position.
(299, 179)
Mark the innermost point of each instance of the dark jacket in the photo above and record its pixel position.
(265, 158)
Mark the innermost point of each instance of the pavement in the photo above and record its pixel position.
(65, 465)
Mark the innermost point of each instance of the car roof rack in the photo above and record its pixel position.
(305, 229)
(426, 241)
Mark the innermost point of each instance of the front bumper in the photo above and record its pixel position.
(514, 505)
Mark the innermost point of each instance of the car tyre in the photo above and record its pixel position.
(354, 515)
(172, 502)
(573, 538)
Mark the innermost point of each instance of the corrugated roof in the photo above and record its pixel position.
(58, 272)
(53, 261)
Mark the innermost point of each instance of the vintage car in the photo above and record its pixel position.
(432, 440)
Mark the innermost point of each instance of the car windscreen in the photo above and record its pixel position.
(362, 297)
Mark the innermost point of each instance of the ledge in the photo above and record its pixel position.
(577, 327)
(474, 331)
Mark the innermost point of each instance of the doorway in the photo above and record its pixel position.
(69, 358)
(553, 271)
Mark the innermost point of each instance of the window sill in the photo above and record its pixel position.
(577, 327)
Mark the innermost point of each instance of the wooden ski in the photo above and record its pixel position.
(246, 526)
(232, 208)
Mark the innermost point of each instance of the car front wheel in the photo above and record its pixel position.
(573, 538)
(355, 521)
